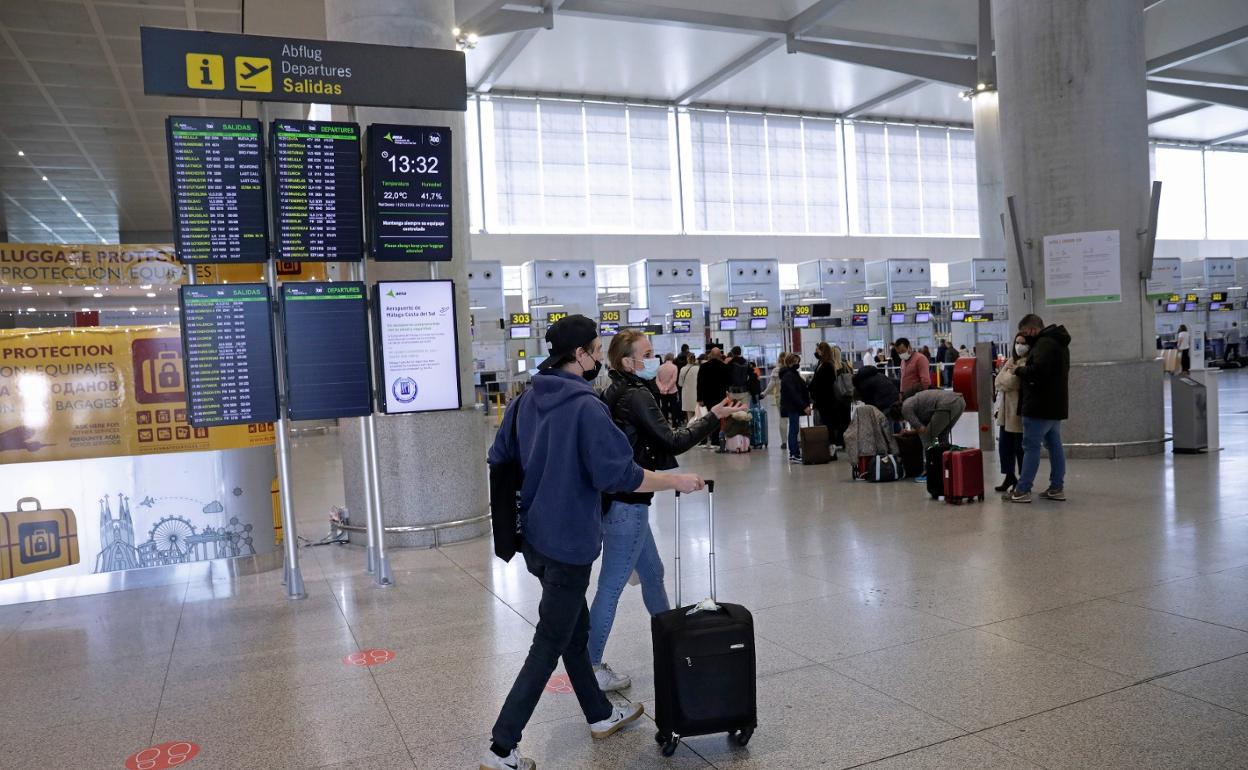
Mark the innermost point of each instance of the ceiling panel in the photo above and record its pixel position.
(1159, 104)
(121, 21)
(953, 21)
(935, 102)
(1176, 24)
(584, 56)
(799, 81)
(45, 16)
(1231, 61)
(766, 9)
(83, 49)
(1202, 126)
(478, 59)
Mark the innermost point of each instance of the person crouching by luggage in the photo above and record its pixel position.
(934, 413)
(571, 453)
(794, 402)
(1009, 419)
(627, 542)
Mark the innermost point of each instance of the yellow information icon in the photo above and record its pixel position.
(205, 71)
(253, 73)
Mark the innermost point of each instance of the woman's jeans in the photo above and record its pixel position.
(1010, 447)
(795, 425)
(627, 544)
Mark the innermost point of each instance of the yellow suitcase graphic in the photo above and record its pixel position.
(35, 540)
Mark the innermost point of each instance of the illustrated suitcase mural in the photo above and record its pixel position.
(34, 540)
(963, 476)
(705, 679)
(758, 427)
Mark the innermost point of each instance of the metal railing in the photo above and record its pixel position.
(410, 528)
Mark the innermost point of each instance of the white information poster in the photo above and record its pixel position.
(419, 347)
(1167, 278)
(1082, 268)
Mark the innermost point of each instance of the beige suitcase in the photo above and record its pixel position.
(34, 540)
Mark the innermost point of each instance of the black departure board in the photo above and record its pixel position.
(409, 172)
(216, 175)
(318, 207)
(227, 345)
(325, 326)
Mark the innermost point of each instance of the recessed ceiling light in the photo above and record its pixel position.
(30, 310)
(133, 309)
(64, 199)
(45, 179)
(97, 295)
(89, 288)
(145, 286)
(21, 154)
(27, 288)
(151, 294)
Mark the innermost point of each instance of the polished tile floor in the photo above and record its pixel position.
(1107, 632)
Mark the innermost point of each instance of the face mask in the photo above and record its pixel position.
(591, 374)
(1020, 349)
(649, 370)
(905, 356)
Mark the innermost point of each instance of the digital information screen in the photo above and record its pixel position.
(227, 342)
(325, 327)
(682, 326)
(216, 173)
(418, 346)
(317, 201)
(860, 319)
(409, 170)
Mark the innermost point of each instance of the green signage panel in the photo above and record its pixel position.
(215, 65)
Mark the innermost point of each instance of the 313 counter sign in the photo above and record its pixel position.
(409, 169)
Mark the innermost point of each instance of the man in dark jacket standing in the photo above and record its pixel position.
(1044, 404)
(571, 453)
(713, 383)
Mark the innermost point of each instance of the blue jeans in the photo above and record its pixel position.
(627, 544)
(562, 631)
(1046, 433)
(795, 424)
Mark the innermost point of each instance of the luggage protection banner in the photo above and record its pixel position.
(101, 392)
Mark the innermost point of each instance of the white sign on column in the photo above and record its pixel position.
(1082, 268)
(419, 347)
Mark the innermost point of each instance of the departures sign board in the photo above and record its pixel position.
(216, 175)
(418, 346)
(227, 348)
(325, 328)
(317, 201)
(409, 180)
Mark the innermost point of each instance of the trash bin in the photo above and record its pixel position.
(1189, 413)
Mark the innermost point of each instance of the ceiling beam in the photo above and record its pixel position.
(1180, 112)
(736, 66)
(642, 13)
(888, 96)
(1229, 137)
(1197, 50)
(503, 22)
(1148, 5)
(1225, 96)
(479, 19)
(506, 57)
(811, 16)
(937, 69)
(1202, 78)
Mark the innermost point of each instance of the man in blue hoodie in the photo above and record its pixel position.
(571, 453)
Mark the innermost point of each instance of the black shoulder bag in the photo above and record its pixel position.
(506, 479)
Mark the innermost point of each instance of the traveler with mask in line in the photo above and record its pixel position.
(916, 374)
(1010, 420)
(571, 453)
(627, 542)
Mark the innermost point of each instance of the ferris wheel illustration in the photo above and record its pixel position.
(171, 538)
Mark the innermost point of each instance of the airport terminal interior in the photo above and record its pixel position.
(273, 273)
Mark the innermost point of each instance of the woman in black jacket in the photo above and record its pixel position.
(794, 402)
(833, 411)
(627, 542)
(874, 388)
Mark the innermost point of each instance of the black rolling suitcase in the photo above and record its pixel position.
(704, 667)
(934, 468)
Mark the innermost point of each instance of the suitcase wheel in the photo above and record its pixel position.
(668, 743)
(981, 498)
(742, 737)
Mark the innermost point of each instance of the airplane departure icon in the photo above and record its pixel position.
(253, 73)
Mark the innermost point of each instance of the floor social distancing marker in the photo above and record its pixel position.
(373, 657)
(559, 684)
(163, 756)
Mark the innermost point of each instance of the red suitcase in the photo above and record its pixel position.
(964, 476)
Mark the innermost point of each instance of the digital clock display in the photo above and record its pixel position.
(409, 170)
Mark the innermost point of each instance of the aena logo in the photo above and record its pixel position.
(392, 294)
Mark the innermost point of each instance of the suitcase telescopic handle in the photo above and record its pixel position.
(710, 512)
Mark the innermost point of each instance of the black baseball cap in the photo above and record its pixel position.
(565, 337)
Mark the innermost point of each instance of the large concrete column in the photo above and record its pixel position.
(985, 109)
(432, 465)
(1075, 147)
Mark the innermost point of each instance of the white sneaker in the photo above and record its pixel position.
(511, 762)
(621, 716)
(609, 681)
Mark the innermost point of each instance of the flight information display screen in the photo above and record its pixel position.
(325, 326)
(409, 170)
(317, 200)
(227, 347)
(216, 175)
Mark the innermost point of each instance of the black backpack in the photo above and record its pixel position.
(506, 480)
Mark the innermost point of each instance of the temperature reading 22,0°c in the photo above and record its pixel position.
(405, 164)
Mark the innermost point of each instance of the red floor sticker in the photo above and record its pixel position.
(559, 684)
(373, 657)
(164, 756)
